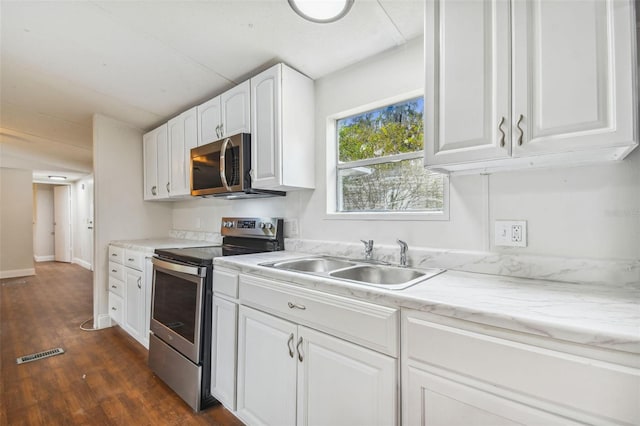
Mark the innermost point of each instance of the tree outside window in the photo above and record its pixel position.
(380, 166)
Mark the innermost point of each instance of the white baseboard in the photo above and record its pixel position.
(83, 263)
(48, 258)
(17, 273)
(104, 321)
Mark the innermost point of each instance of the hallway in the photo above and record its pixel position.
(101, 379)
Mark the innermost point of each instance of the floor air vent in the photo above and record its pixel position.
(39, 355)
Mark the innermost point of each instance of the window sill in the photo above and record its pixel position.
(388, 216)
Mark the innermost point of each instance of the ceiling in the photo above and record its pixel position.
(143, 62)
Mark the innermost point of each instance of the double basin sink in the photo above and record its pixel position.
(373, 274)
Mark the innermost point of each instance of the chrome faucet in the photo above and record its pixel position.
(403, 252)
(368, 249)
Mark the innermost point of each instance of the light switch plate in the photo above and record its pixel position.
(510, 233)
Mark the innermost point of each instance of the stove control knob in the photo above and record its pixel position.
(228, 224)
(268, 225)
(262, 225)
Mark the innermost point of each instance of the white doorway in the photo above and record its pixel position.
(62, 223)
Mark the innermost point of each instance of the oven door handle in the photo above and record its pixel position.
(178, 267)
(223, 171)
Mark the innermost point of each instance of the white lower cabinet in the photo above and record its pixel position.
(130, 292)
(289, 374)
(223, 351)
(460, 373)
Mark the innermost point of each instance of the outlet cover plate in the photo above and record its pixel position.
(510, 233)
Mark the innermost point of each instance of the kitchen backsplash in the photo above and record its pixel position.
(213, 237)
(594, 271)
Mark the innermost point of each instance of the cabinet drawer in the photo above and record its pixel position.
(134, 259)
(359, 322)
(116, 271)
(585, 386)
(115, 307)
(116, 254)
(116, 286)
(225, 282)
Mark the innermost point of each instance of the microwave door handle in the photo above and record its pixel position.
(223, 172)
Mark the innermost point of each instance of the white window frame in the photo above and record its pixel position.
(333, 167)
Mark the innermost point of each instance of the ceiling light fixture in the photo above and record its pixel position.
(57, 177)
(321, 11)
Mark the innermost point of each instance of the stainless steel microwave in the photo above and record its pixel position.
(223, 169)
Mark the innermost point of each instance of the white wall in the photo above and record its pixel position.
(591, 211)
(16, 223)
(120, 211)
(43, 229)
(82, 221)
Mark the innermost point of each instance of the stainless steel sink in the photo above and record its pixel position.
(319, 264)
(379, 275)
(371, 274)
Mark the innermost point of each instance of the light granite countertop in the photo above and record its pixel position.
(150, 244)
(606, 316)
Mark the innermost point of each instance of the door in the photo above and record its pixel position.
(134, 303)
(266, 369)
(236, 110)
(467, 88)
(223, 351)
(572, 71)
(209, 120)
(183, 135)
(340, 383)
(62, 223)
(266, 104)
(436, 400)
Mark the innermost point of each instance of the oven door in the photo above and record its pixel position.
(176, 306)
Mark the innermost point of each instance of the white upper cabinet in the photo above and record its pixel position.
(209, 121)
(563, 93)
(183, 135)
(156, 163)
(282, 148)
(225, 115)
(236, 110)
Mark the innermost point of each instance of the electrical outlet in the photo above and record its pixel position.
(510, 233)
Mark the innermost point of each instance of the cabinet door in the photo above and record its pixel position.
(236, 110)
(183, 135)
(340, 383)
(134, 303)
(573, 75)
(431, 399)
(150, 154)
(223, 352)
(209, 120)
(266, 170)
(467, 87)
(266, 369)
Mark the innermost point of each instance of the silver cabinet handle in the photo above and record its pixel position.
(296, 306)
(223, 171)
(131, 259)
(114, 255)
(114, 286)
(113, 308)
(218, 130)
(168, 187)
(520, 129)
(114, 270)
(153, 190)
(298, 349)
(139, 282)
(501, 131)
(221, 130)
(290, 345)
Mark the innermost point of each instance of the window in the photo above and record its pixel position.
(379, 162)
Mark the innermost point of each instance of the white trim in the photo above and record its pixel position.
(332, 166)
(83, 263)
(17, 273)
(47, 258)
(104, 321)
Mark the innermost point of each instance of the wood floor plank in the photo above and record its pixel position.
(101, 379)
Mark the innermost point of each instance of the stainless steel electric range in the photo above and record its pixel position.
(181, 305)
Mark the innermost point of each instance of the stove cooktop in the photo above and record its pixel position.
(201, 256)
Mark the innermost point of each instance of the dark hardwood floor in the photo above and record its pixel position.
(101, 379)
